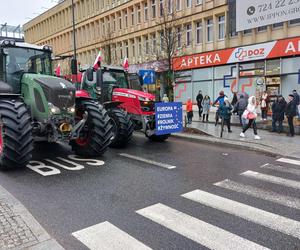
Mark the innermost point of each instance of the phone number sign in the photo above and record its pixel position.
(255, 13)
(168, 117)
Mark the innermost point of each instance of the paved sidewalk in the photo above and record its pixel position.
(274, 143)
(19, 229)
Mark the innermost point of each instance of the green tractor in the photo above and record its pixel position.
(35, 106)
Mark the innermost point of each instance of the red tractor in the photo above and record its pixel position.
(129, 108)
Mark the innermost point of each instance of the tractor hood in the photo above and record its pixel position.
(58, 91)
(135, 93)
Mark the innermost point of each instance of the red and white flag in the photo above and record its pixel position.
(57, 70)
(126, 63)
(98, 60)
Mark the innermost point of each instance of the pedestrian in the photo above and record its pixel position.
(297, 101)
(278, 109)
(225, 113)
(206, 108)
(290, 113)
(234, 99)
(240, 107)
(264, 105)
(189, 110)
(165, 98)
(199, 100)
(219, 101)
(251, 115)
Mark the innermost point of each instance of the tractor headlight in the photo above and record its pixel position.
(53, 109)
(71, 110)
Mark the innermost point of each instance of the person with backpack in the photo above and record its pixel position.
(225, 113)
(220, 101)
(278, 109)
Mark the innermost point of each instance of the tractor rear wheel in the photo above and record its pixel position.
(96, 135)
(123, 127)
(159, 138)
(16, 141)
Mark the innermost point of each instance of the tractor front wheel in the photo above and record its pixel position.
(123, 127)
(16, 141)
(96, 135)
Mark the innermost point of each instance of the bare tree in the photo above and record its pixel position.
(170, 38)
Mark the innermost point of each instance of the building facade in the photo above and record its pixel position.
(131, 28)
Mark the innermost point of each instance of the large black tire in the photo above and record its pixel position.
(159, 138)
(15, 134)
(96, 135)
(123, 127)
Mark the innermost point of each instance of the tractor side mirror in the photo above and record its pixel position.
(90, 74)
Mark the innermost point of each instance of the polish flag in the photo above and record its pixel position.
(98, 60)
(57, 70)
(126, 64)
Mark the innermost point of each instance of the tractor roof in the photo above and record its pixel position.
(13, 43)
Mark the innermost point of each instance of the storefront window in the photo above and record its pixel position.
(202, 74)
(182, 91)
(290, 65)
(205, 86)
(228, 71)
(255, 68)
(273, 67)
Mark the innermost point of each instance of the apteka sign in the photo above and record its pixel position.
(274, 49)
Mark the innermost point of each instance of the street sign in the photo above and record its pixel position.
(168, 117)
(148, 76)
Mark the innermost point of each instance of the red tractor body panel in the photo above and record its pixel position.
(134, 101)
(82, 94)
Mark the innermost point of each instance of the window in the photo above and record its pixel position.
(114, 23)
(221, 24)
(146, 11)
(170, 6)
(179, 35)
(188, 34)
(147, 45)
(126, 49)
(126, 19)
(198, 2)
(209, 30)
(178, 5)
(262, 28)
(132, 17)
(162, 41)
(139, 20)
(140, 46)
(198, 32)
(153, 43)
(188, 3)
(120, 22)
(295, 22)
(153, 8)
(161, 7)
(133, 49)
(249, 31)
(277, 25)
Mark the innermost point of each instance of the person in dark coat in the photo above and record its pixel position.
(234, 99)
(278, 109)
(199, 100)
(225, 113)
(297, 100)
(290, 113)
(240, 107)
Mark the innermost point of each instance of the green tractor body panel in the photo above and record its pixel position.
(33, 93)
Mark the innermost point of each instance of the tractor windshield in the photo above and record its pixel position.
(25, 60)
(116, 78)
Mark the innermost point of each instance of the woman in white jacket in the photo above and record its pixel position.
(250, 114)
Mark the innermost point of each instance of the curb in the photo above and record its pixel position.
(19, 229)
(232, 143)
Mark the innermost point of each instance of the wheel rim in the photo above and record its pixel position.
(82, 141)
(1, 139)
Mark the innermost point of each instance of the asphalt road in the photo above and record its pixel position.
(113, 188)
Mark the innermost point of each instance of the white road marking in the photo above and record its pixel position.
(272, 179)
(287, 201)
(290, 161)
(158, 164)
(106, 236)
(91, 162)
(199, 231)
(76, 168)
(259, 216)
(42, 169)
(282, 169)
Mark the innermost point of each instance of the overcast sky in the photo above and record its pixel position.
(15, 12)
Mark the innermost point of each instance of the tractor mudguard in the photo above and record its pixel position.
(82, 94)
(111, 104)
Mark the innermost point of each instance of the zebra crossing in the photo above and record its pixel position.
(105, 235)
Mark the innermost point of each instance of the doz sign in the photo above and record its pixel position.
(168, 117)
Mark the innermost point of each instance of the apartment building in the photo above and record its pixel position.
(131, 28)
